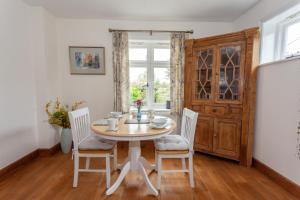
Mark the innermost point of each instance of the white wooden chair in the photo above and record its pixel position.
(89, 146)
(178, 146)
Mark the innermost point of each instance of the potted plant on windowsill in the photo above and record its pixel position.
(59, 116)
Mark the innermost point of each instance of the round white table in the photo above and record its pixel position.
(134, 133)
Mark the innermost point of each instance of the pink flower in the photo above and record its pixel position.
(139, 102)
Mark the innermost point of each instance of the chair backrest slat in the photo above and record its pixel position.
(80, 125)
(188, 126)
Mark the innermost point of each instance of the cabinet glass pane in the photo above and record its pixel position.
(229, 75)
(204, 74)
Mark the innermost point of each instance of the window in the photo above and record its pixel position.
(149, 72)
(291, 46)
(281, 36)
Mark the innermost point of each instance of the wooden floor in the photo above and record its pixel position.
(215, 179)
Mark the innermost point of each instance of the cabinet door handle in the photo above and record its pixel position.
(214, 110)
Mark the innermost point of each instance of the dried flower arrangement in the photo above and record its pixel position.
(59, 113)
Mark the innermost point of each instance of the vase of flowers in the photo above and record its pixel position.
(139, 103)
(58, 115)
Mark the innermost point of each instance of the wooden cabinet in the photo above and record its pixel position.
(220, 76)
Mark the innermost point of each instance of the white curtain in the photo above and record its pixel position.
(120, 71)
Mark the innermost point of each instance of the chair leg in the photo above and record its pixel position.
(115, 157)
(183, 163)
(107, 161)
(191, 173)
(87, 163)
(76, 168)
(159, 160)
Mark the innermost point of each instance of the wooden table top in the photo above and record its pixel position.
(133, 130)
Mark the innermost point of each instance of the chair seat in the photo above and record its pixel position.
(95, 143)
(172, 143)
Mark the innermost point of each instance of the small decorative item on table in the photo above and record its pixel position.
(139, 103)
(151, 115)
(133, 114)
(59, 116)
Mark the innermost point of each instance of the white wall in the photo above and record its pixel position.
(97, 90)
(277, 117)
(48, 78)
(262, 11)
(29, 77)
(278, 102)
(17, 83)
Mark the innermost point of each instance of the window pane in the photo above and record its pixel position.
(293, 39)
(138, 83)
(161, 54)
(139, 54)
(161, 85)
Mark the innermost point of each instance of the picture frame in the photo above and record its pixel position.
(87, 60)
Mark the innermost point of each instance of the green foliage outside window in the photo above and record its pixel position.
(137, 93)
(138, 89)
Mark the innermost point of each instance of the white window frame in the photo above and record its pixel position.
(280, 38)
(150, 64)
(273, 33)
(284, 45)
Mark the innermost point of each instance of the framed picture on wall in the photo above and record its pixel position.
(87, 60)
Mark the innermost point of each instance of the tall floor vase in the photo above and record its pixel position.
(66, 140)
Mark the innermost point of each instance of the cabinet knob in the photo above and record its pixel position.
(214, 110)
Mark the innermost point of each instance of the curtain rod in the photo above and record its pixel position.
(151, 31)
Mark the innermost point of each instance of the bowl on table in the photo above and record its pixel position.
(115, 114)
(159, 121)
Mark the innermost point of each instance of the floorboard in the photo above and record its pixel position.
(216, 179)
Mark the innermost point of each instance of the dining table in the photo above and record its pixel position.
(134, 133)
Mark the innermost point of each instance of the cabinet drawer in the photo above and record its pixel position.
(236, 111)
(219, 110)
(198, 108)
(215, 110)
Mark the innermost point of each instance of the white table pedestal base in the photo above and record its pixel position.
(134, 162)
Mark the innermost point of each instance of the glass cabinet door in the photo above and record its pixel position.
(203, 77)
(230, 73)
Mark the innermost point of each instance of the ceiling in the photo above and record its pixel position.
(173, 10)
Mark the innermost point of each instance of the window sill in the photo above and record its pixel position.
(279, 61)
